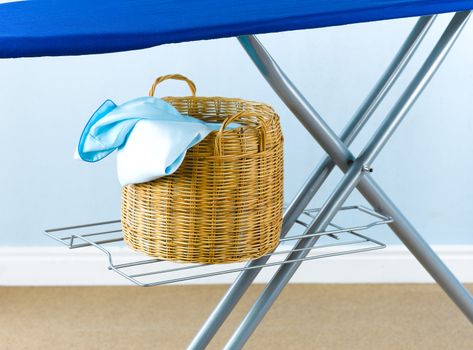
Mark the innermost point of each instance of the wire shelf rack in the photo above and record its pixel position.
(145, 271)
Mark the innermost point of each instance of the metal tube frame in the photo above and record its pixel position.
(321, 172)
(355, 176)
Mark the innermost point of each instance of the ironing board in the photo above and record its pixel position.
(56, 28)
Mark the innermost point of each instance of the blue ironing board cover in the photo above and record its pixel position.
(75, 27)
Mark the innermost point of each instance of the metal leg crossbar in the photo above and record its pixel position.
(357, 175)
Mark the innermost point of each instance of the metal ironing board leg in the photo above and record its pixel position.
(342, 156)
(244, 280)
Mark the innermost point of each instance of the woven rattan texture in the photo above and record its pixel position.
(224, 203)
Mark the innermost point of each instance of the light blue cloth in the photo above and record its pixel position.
(151, 136)
(110, 125)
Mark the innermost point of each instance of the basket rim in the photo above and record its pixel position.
(230, 99)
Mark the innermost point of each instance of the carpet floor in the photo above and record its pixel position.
(304, 317)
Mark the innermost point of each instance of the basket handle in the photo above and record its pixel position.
(173, 77)
(218, 150)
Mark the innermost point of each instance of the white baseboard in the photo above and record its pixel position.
(57, 266)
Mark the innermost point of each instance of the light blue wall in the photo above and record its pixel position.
(426, 167)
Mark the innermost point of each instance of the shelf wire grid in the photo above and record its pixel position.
(145, 271)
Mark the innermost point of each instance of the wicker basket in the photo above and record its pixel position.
(224, 203)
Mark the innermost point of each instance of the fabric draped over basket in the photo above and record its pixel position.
(151, 137)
